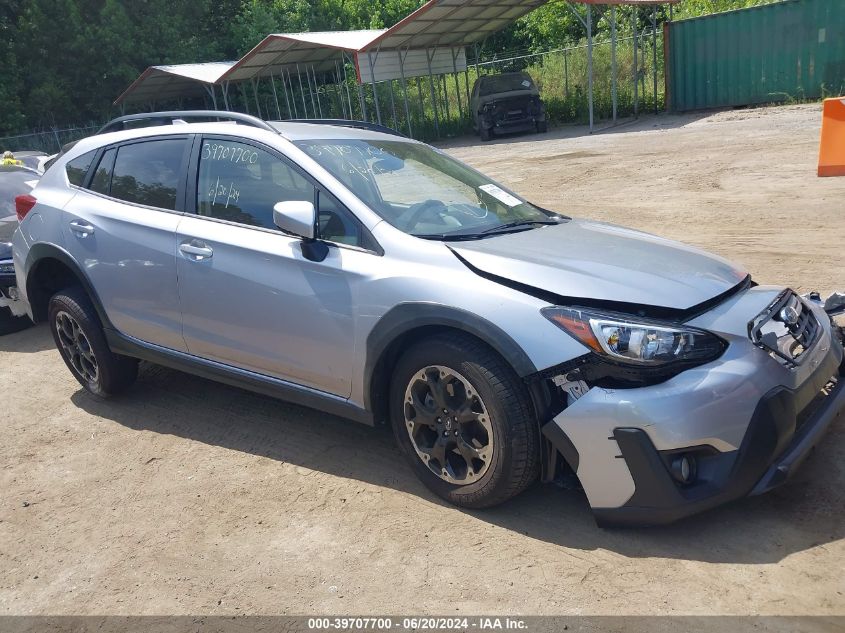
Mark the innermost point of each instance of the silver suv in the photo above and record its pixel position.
(374, 277)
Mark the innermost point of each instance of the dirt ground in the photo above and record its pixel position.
(189, 497)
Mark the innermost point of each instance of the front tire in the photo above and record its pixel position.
(464, 420)
(485, 134)
(80, 340)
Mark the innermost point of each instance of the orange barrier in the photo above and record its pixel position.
(832, 150)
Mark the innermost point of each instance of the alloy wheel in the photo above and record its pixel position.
(76, 347)
(448, 424)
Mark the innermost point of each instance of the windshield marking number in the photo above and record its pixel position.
(234, 154)
(232, 194)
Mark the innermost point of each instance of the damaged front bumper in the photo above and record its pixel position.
(744, 423)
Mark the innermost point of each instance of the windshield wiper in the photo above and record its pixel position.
(519, 224)
(449, 237)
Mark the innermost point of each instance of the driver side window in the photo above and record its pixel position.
(242, 183)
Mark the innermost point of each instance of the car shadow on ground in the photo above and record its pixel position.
(30, 341)
(806, 513)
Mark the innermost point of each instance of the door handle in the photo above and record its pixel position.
(81, 229)
(196, 250)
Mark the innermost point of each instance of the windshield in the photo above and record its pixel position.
(494, 84)
(424, 192)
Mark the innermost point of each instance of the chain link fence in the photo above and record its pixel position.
(49, 141)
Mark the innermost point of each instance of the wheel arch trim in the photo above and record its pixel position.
(407, 317)
(37, 255)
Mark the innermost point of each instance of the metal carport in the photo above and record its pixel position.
(173, 82)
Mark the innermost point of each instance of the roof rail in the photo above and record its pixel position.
(363, 125)
(172, 116)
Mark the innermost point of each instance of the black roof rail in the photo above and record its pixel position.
(169, 117)
(362, 125)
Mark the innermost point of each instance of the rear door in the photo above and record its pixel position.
(121, 228)
(249, 296)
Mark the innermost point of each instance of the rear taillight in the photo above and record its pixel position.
(23, 205)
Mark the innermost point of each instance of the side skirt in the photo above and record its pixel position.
(236, 377)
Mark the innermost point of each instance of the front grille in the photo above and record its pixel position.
(786, 329)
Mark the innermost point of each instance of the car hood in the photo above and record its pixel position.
(601, 262)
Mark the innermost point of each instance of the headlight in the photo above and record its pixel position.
(7, 268)
(637, 342)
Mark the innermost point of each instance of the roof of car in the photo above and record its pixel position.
(297, 131)
(289, 130)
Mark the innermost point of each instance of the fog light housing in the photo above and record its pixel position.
(684, 468)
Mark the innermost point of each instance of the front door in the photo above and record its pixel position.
(248, 295)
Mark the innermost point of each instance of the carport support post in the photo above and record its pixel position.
(420, 95)
(339, 85)
(393, 106)
(566, 72)
(445, 94)
(275, 96)
(292, 95)
(317, 90)
(466, 83)
(636, 73)
(433, 97)
(211, 92)
(346, 83)
(255, 94)
(654, 53)
(225, 90)
(405, 91)
(457, 83)
(590, 60)
(285, 89)
(301, 91)
(373, 81)
(245, 98)
(613, 60)
(311, 94)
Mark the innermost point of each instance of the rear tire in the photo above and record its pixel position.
(82, 344)
(485, 134)
(10, 323)
(542, 127)
(464, 420)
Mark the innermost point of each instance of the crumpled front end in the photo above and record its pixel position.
(512, 114)
(735, 426)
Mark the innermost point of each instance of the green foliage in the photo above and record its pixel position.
(67, 60)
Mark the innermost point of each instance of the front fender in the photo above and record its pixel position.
(407, 317)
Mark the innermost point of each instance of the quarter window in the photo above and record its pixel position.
(148, 173)
(77, 168)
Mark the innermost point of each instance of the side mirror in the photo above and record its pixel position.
(297, 217)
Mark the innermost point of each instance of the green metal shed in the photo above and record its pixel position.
(793, 49)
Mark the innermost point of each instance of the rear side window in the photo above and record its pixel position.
(78, 168)
(102, 177)
(148, 173)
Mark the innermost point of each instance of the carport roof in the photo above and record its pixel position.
(160, 83)
(319, 49)
(452, 23)
(449, 23)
